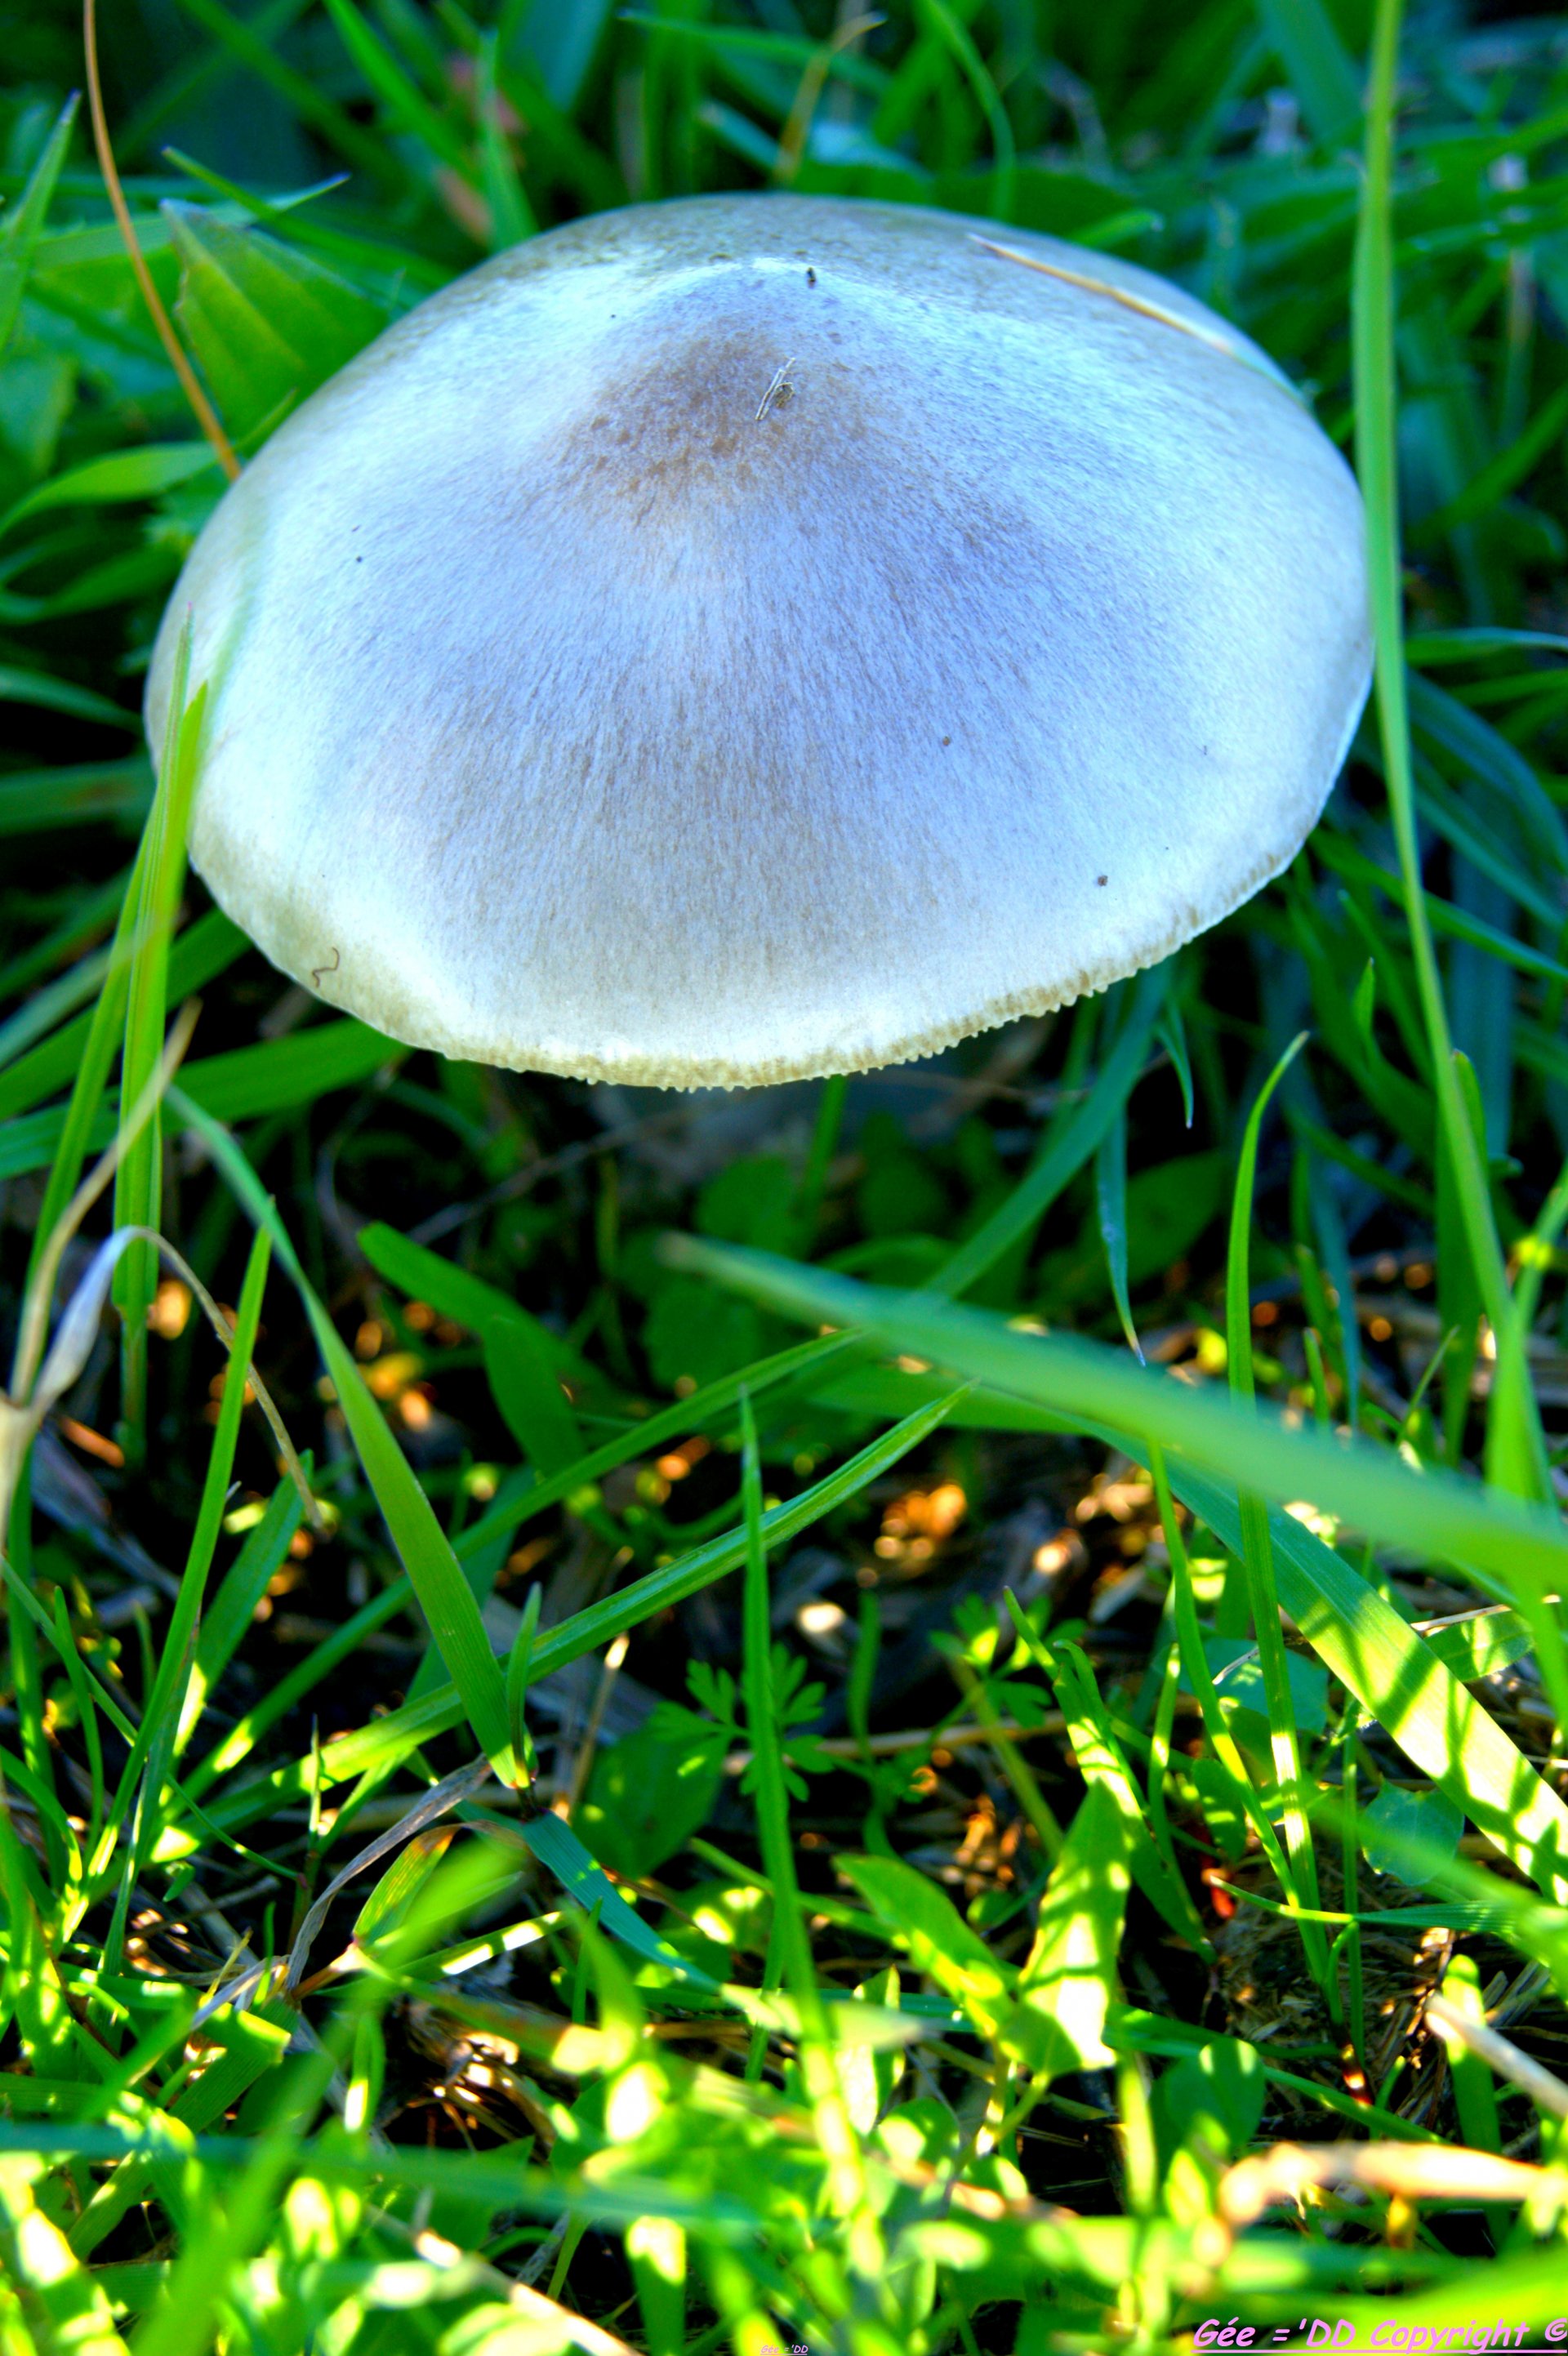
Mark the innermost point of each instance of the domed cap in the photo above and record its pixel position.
(728, 641)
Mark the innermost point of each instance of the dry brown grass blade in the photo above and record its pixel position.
(428, 1809)
(1548, 2093)
(1143, 305)
(1403, 2172)
(190, 384)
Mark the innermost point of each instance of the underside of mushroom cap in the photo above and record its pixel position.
(735, 640)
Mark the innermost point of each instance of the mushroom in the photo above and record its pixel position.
(735, 640)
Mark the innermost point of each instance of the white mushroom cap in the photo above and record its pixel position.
(740, 639)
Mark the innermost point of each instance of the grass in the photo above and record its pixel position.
(861, 1718)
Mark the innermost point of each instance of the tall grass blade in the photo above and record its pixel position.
(1086, 1386)
(1256, 1550)
(1069, 1143)
(1373, 342)
(138, 1182)
(444, 1595)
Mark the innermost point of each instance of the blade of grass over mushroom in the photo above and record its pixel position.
(99, 1035)
(1074, 1378)
(1256, 1550)
(1373, 313)
(1364, 1642)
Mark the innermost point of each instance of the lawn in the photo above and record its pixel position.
(912, 1713)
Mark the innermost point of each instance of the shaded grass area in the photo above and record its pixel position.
(628, 1720)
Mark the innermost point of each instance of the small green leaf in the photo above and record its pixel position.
(388, 1902)
(266, 323)
(121, 474)
(1397, 1821)
(652, 1790)
(584, 1879)
(923, 1921)
(522, 1369)
(1239, 1681)
(1067, 1984)
(1213, 2097)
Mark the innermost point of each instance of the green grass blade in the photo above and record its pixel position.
(160, 1715)
(395, 1736)
(762, 1726)
(1362, 1640)
(1199, 1677)
(956, 38)
(1256, 1551)
(1372, 326)
(445, 1596)
(1069, 1145)
(585, 1880)
(1099, 1760)
(205, 950)
(398, 92)
(299, 92)
(24, 222)
(1110, 1199)
(138, 1180)
(1084, 1382)
(1306, 41)
(225, 1623)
